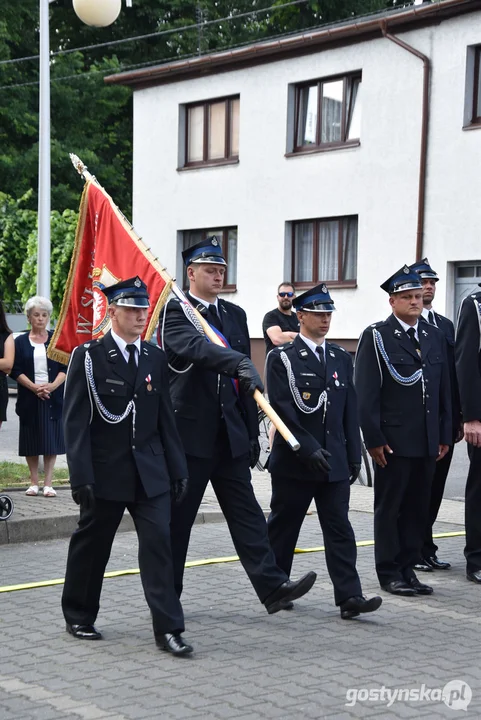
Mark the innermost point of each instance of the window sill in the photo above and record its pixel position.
(472, 126)
(338, 284)
(323, 148)
(211, 164)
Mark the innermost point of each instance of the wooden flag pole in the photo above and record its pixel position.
(279, 424)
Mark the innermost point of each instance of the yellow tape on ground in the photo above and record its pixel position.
(192, 563)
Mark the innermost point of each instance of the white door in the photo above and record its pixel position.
(467, 278)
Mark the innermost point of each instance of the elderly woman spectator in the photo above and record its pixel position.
(40, 395)
(7, 354)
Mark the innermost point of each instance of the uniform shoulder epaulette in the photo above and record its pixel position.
(90, 343)
(335, 346)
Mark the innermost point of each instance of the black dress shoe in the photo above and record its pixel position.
(419, 587)
(84, 632)
(399, 587)
(354, 606)
(288, 591)
(287, 605)
(174, 643)
(474, 576)
(424, 566)
(436, 564)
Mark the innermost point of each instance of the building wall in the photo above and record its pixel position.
(378, 181)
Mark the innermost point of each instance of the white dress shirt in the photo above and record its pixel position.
(122, 345)
(312, 346)
(406, 327)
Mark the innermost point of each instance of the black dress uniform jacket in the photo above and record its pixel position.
(108, 456)
(395, 414)
(468, 357)
(293, 485)
(198, 393)
(126, 469)
(337, 430)
(216, 424)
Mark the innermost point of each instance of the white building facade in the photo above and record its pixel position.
(305, 157)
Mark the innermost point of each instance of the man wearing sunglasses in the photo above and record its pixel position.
(281, 325)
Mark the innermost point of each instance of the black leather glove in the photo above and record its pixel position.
(254, 452)
(317, 461)
(178, 490)
(84, 496)
(354, 470)
(249, 378)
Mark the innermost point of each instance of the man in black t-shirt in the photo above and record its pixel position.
(281, 325)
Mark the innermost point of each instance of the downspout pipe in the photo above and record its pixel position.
(424, 135)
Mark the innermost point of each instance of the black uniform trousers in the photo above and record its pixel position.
(402, 491)
(89, 552)
(289, 503)
(231, 480)
(437, 492)
(472, 516)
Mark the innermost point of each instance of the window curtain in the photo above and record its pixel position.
(217, 131)
(353, 110)
(231, 257)
(349, 248)
(328, 267)
(332, 111)
(195, 145)
(303, 251)
(307, 116)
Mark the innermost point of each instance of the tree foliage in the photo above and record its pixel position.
(94, 120)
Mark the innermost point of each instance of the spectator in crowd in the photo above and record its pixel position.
(40, 395)
(281, 325)
(7, 354)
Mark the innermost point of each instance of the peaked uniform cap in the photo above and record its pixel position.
(205, 251)
(403, 279)
(424, 269)
(130, 293)
(317, 299)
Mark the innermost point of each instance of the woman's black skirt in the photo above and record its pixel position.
(42, 435)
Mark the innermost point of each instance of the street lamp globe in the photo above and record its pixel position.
(97, 13)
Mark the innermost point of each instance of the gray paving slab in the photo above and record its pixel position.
(306, 663)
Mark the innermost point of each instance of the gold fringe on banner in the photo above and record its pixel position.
(53, 352)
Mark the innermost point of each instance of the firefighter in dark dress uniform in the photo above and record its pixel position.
(217, 421)
(429, 561)
(123, 451)
(468, 369)
(310, 386)
(402, 382)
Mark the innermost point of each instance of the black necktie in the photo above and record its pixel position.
(412, 335)
(214, 317)
(431, 318)
(322, 359)
(132, 365)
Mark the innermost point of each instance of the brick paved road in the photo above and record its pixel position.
(247, 665)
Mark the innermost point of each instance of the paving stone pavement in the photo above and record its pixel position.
(247, 665)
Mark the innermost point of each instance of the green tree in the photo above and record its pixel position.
(63, 227)
(17, 222)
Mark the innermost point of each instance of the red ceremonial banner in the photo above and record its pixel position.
(106, 251)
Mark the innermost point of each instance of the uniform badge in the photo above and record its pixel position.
(137, 282)
(424, 333)
(306, 395)
(214, 242)
(398, 333)
(336, 379)
(147, 380)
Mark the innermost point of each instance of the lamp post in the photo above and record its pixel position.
(98, 13)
